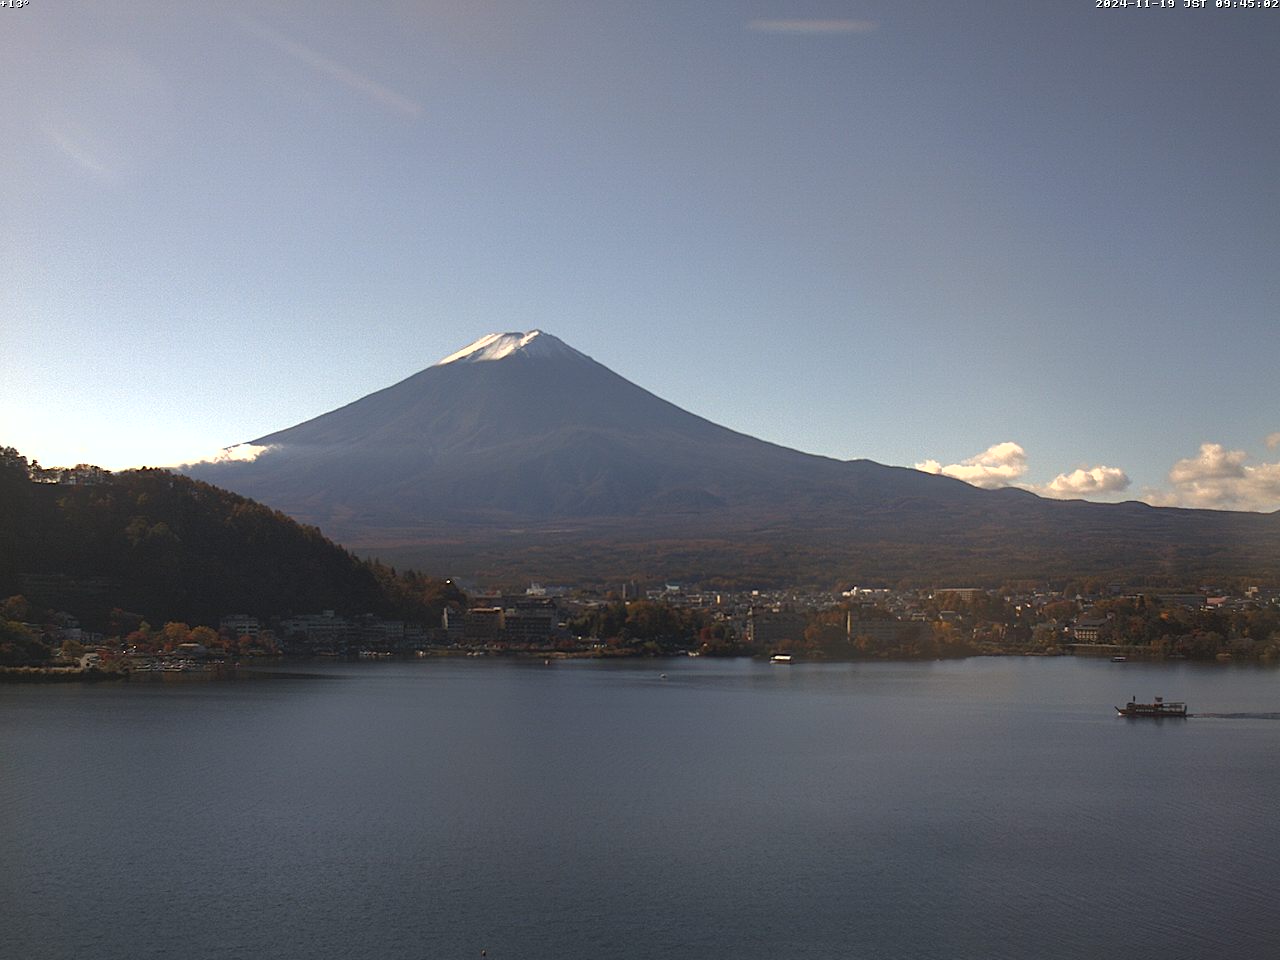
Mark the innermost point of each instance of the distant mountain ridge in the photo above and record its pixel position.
(520, 455)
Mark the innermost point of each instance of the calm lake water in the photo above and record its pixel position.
(985, 808)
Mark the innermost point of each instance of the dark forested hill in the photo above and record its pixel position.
(169, 547)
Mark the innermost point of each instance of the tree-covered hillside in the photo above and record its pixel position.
(171, 548)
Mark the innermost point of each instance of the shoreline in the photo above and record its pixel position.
(219, 672)
(91, 675)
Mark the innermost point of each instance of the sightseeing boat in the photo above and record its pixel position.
(1160, 708)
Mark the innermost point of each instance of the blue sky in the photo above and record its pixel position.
(1006, 241)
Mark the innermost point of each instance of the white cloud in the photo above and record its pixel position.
(1273, 440)
(1215, 462)
(1220, 479)
(239, 453)
(812, 26)
(358, 82)
(929, 466)
(1004, 464)
(1085, 481)
(997, 466)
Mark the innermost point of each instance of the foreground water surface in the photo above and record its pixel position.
(984, 808)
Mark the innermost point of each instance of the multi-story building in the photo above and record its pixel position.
(769, 628)
(240, 625)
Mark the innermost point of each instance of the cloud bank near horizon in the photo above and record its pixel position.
(1000, 465)
(1215, 479)
(1084, 481)
(1221, 479)
(237, 453)
(1005, 464)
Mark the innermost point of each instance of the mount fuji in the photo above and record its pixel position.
(520, 456)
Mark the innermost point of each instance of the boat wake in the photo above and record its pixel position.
(1235, 716)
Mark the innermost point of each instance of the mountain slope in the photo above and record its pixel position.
(520, 432)
(539, 434)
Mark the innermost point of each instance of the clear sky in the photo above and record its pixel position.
(909, 231)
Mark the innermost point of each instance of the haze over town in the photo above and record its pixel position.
(1016, 245)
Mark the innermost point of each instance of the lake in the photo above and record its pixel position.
(985, 808)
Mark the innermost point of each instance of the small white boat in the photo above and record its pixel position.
(780, 658)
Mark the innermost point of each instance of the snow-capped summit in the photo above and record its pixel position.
(499, 346)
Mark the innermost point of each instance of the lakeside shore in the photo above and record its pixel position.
(267, 668)
(210, 672)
